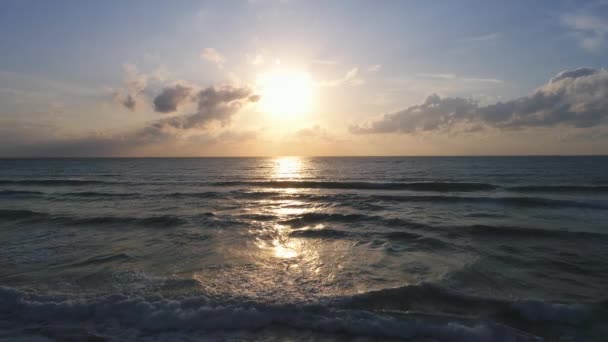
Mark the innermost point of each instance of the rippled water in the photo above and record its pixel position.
(438, 249)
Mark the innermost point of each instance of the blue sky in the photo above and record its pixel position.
(64, 64)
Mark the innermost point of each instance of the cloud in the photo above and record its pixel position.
(135, 84)
(315, 132)
(435, 113)
(591, 31)
(180, 134)
(450, 76)
(374, 68)
(575, 98)
(325, 62)
(256, 59)
(351, 78)
(213, 56)
(213, 104)
(171, 97)
(446, 76)
(483, 38)
(129, 144)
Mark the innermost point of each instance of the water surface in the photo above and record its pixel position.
(443, 249)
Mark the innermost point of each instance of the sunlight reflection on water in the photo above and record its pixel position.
(288, 168)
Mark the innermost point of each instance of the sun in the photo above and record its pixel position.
(285, 93)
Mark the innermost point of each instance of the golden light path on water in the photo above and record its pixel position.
(283, 246)
(285, 254)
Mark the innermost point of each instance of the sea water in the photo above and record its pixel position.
(411, 248)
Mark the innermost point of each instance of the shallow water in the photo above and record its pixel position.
(442, 249)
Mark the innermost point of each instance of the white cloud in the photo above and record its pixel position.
(213, 56)
(350, 78)
(325, 62)
(374, 68)
(444, 76)
(451, 76)
(257, 59)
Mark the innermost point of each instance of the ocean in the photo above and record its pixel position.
(315, 249)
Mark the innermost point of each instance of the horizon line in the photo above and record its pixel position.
(309, 156)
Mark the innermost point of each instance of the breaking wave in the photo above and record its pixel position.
(199, 314)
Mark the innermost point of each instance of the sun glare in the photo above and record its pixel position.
(285, 93)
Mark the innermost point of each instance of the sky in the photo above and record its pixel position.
(88, 78)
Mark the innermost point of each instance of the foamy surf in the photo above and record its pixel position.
(110, 316)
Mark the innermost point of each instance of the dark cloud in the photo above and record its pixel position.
(576, 98)
(435, 113)
(213, 104)
(171, 97)
(129, 102)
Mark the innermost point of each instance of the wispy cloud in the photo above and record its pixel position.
(350, 78)
(213, 56)
(451, 76)
(590, 30)
(483, 38)
(374, 68)
(255, 59)
(325, 62)
(482, 80)
(443, 76)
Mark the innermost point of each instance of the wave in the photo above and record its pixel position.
(427, 297)
(20, 214)
(299, 223)
(95, 194)
(532, 202)
(196, 316)
(33, 216)
(412, 238)
(418, 186)
(317, 217)
(102, 259)
(521, 232)
(561, 188)
(8, 193)
(53, 182)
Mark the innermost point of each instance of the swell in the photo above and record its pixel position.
(9, 193)
(356, 185)
(532, 202)
(521, 232)
(303, 226)
(354, 200)
(53, 182)
(102, 259)
(96, 194)
(28, 216)
(413, 239)
(561, 188)
(418, 186)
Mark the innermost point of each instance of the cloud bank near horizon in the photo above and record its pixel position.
(212, 111)
(576, 98)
